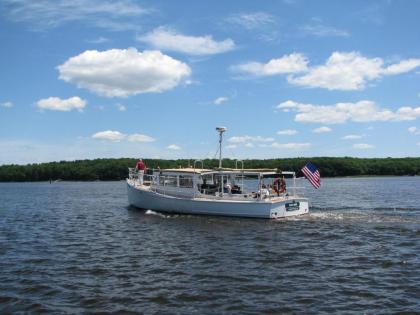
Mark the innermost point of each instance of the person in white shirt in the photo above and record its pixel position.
(264, 192)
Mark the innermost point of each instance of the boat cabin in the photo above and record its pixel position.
(226, 183)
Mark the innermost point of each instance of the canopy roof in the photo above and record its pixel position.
(186, 170)
(226, 171)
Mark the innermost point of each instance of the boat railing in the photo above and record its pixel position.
(296, 191)
(132, 173)
(197, 162)
(138, 178)
(241, 162)
(169, 185)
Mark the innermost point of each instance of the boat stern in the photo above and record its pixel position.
(289, 207)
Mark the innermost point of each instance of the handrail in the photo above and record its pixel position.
(132, 173)
(198, 161)
(236, 164)
(236, 167)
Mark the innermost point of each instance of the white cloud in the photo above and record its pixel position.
(123, 72)
(231, 146)
(320, 30)
(118, 136)
(136, 137)
(173, 147)
(47, 14)
(261, 25)
(243, 139)
(292, 63)
(352, 137)
(350, 71)
(287, 132)
(249, 145)
(402, 67)
(342, 70)
(109, 135)
(7, 104)
(322, 129)
(363, 146)
(191, 82)
(99, 40)
(64, 105)
(121, 107)
(253, 20)
(220, 100)
(167, 39)
(414, 130)
(289, 146)
(418, 143)
(362, 111)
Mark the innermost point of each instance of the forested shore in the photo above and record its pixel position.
(116, 169)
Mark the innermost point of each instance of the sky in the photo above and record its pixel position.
(88, 79)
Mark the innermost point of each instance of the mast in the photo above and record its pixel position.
(220, 130)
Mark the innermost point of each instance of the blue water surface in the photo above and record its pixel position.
(77, 247)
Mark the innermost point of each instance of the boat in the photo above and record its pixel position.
(236, 192)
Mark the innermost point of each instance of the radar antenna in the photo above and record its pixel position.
(220, 130)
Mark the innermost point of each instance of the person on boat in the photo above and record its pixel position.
(227, 188)
(236, 189)
(140, 168)
(263, 192)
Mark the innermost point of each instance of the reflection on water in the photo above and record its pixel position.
(78, 247)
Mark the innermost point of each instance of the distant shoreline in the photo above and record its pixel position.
(117, 169)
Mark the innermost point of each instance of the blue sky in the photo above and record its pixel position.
(95, 79)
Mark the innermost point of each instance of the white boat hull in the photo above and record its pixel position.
(270, 208)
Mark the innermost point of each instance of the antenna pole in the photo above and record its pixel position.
(220, 150)
(221, 130)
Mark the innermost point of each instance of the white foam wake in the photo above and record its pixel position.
(151, 212)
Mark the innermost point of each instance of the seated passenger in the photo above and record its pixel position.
(227, 189)
(236, 189)
(264, 192)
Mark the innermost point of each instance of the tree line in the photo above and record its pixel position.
(117, 169)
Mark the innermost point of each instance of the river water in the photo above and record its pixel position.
(73, 247)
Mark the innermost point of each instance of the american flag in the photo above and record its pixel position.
(312, 174)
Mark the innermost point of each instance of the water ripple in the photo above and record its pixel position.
(78, 248)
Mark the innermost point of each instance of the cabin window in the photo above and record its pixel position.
(165, 180)
(207, 179)
(185, 181)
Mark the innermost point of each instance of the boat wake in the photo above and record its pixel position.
(377, 209)
(151, 212)
(389, 215)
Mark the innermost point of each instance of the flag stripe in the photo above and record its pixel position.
(314, 180)
(312, 174)
(309, 174)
